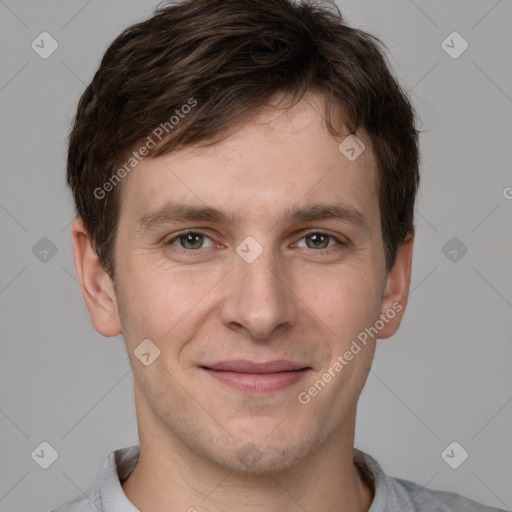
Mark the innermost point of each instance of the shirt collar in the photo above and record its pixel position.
(372, 473)
(118, 467)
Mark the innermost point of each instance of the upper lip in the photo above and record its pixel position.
(242, 366)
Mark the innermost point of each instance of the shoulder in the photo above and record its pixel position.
(392, 493)
(107, 494)
(85, 503)
(423, 499)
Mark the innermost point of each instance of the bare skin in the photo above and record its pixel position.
(204, 444)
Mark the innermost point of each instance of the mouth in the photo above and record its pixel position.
(252, 377)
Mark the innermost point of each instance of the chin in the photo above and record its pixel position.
(250, 460)
(269, 452)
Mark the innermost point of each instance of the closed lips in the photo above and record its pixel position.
(242, 366)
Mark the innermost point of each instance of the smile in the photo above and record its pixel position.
(257, 377)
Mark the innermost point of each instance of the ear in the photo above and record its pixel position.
(397, 289)
(97, 287)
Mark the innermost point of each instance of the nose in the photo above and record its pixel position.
(260, 297)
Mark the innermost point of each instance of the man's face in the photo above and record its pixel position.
(316, 285)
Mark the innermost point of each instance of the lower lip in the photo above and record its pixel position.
(258, 382)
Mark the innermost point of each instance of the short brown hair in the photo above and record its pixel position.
(231, 58)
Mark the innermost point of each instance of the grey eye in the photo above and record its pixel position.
(318, 240)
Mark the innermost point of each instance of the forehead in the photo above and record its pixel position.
(277, 160)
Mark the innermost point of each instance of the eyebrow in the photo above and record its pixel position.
(176, 212)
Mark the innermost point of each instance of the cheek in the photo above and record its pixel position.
(157, 303)
(347, 301)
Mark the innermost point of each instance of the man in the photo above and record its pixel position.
(245, 175)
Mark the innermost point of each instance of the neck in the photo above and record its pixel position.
(170, 477)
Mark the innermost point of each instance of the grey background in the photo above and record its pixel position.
(444, 377)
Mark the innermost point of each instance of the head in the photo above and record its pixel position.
(224, 120)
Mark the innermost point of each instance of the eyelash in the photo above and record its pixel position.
(199, 252)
